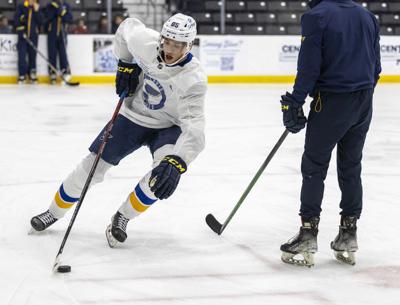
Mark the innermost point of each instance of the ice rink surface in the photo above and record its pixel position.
(171, 256)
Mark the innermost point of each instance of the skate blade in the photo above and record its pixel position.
(307, 261)
(345, 257)
(112, 242)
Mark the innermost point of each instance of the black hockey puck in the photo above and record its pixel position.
(64, 269)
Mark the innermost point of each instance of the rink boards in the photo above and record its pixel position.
(226, 59)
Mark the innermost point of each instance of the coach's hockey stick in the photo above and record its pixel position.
(212, 222)
(57, 265)
(57, 72)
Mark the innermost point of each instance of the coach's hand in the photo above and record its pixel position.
(293, 115)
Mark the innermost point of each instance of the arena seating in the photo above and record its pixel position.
(275, 17)
(254, 17)
(89, 10)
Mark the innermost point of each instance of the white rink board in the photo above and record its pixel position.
(220, 55)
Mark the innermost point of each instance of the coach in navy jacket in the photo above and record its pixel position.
(28, 19)
(58, 13)
(339, 66)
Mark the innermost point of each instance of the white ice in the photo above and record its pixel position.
(171, 256)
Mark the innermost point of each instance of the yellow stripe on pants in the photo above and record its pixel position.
(136, 204)
(61, 203)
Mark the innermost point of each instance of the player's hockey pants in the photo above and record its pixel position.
(126, 137)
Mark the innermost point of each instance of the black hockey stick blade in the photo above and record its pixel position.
(214, 224)
(72, 84)
(67, 82)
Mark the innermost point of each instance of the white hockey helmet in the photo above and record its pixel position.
(180, 28)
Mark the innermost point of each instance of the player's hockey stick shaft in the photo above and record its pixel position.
(90, 176)
(210, 219)
(54, 69)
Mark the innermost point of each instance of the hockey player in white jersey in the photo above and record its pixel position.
(164, 111)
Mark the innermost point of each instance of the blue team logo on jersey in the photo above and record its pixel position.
(153, 93)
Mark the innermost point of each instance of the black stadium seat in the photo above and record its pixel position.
(387, 30)
(257, 6)
(233, 29)
(7, 5)
(294, 30)
(245, 18)
(94, 16)
(266, 18)
(300, 6)
(275, 30)
(288, 18)
(75, 4)
(253, 30)
(278, 5)
(212, 5)
(379, 6)
(202, 17)
(117, 4)
(216, 17)
(390, 18)
(209, 29)
(94, 4)
(235, 6)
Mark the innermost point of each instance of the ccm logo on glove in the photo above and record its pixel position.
(165, 177)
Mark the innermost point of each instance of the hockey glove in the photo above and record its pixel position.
(62, 10)
(293, 115)
(127, 77)
(165, 177)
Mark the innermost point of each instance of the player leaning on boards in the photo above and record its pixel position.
(339, 66)
(164, 111)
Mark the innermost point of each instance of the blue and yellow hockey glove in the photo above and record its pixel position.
(165, 177)
(127, 77)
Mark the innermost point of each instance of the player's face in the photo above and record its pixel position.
(173, 50)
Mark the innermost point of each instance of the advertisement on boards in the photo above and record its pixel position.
(104, 59)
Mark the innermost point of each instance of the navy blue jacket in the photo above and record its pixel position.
(27, 21)
(58, 13)
(340, 49)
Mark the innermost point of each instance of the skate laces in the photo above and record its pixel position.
(47, 218)
(122, 222)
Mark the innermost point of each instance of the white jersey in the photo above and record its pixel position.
(166, 96)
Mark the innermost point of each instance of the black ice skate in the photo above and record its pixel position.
(345, 244)
(116, 231)
(303, 244)
(42, 221)
(66, 76)
(21, 80)
(53, 78)
(33, 76)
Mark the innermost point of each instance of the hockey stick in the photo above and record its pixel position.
(107, 132)
(57, 72)
(64, 37)
(212, 222)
